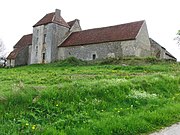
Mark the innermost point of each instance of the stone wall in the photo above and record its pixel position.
(142, 42)
(10, 63)
(37, 41)
(57, 34)
(157, 50)
(76, 26)
(45, 40)
(29, 53)
(139, 47)
(22, 57)
(97, 51)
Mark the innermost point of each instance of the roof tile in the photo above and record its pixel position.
(121, 32)
(21, 44)
(50, 18)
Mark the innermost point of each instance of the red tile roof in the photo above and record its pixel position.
(21, 44)
(121, 32)
(24, 41)
(50, 18)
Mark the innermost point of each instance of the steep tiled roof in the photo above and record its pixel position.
(71, 23)
(24, 41)
(121, 32)
(50, 18)
(14, 53)
(21, 44)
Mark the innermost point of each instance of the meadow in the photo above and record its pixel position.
(75, 98)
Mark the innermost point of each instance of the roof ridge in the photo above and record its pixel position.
(110, 26)
(121, 32)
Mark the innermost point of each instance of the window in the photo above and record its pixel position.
(94, 56)
(36, 49)
(45, 29)
(43, 57)
(44, 40)
(37, 40)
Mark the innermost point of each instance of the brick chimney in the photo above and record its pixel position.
(57, 14)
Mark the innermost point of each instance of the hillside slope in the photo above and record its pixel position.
(95, 99)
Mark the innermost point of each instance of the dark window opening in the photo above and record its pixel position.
(43, 57)
(44, 40)
(36, 51)
(94, 56)
(37, 40)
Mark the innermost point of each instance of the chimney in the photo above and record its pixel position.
(57, 14)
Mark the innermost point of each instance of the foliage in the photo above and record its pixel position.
(178, 37)
(71, 61)
(96, 99)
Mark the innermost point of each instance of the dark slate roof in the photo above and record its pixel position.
(157, 44)
(170, 55)
(121, 32)
(50, 18)
(21, 44)
(71, 23)
(154, 43)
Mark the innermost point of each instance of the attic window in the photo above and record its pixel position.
(94, 56)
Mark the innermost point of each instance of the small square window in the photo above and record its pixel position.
(94, 56)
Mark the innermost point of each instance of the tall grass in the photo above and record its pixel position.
(96, 99)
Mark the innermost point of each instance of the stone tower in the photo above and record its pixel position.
(48, 33)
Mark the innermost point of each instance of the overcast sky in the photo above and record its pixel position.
(162, 17)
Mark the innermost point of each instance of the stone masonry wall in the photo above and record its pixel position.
(157, 50)
(139, 47)
(54, 36)
(142, 42)
(22, 57)
(97, 51)
(29, 53)
(76, 27)
(10, 63)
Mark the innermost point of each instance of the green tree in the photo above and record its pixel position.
(177, 38)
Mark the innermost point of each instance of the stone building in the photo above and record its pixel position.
(160, 52)
(20, 55)
(55, 39)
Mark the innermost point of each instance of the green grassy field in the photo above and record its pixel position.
(102, 99)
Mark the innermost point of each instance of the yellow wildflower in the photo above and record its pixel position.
(33, 127)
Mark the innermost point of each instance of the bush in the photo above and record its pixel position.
(71, 61)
